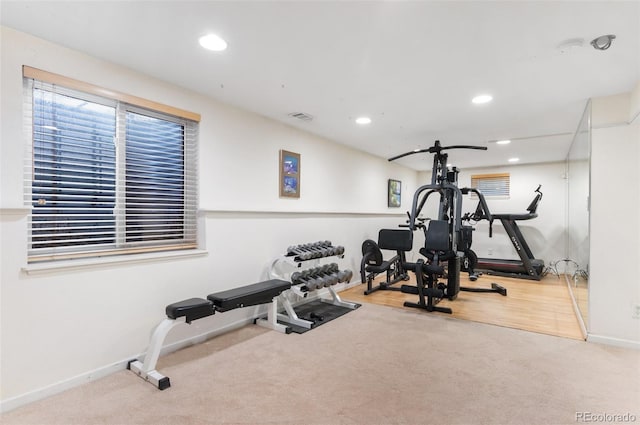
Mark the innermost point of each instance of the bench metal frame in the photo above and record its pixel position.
(147, 369)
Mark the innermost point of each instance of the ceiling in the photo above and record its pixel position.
(412, 67)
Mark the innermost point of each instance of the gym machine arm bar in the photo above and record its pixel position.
(482, 211)
(436, 149)
(433, 189)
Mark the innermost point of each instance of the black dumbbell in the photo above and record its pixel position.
(345, 276)
(314, 248)
(295, 250)
(329, 279)
(349, 276)
(334, 250)
(330, 273)
(301, 253)
(323, 248)
(309, 281)
(326, 274)
(316, 316)
(314, 271)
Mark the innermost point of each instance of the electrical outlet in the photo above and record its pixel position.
(490, 251)
(636, 311)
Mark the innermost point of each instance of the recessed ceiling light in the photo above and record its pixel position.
(483, 98)
(514, 159)
(212, 42)
(503, 142)
(363, 120)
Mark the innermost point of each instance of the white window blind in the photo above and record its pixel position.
(105, 177)
(491, 185)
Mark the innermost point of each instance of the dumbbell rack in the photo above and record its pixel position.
(294, 261)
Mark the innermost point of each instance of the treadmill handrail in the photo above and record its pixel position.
(516, 217)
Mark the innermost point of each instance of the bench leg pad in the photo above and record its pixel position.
(153, 377)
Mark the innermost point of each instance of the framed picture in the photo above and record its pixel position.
(395, 193)
(289, 174)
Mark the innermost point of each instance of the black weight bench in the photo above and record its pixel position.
(258, 293)
(191, 309)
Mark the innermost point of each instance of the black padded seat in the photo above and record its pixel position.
(444, 256)
(437, 241)
(437, 237)
(193, 309)
(395, 239)
(383, 267)
(245, 296)
(434, 269)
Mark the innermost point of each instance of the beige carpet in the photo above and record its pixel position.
(375, 365)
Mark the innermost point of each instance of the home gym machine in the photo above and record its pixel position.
(445, 237)
(373, 264)
(528, 267)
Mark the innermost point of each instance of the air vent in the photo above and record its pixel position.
(301, 116)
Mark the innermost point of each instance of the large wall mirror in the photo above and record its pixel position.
(578, 191)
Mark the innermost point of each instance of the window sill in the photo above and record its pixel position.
(87, 263)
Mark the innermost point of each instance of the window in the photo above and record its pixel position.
(107, 177)
(491, 185)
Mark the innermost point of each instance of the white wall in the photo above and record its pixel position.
(614, 286)
(92, 318)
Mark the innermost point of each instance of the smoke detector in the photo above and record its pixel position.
(603, 42)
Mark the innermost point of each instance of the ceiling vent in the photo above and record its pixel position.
(301, 116)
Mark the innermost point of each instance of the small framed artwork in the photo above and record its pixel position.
(289, 174)
(395, 193)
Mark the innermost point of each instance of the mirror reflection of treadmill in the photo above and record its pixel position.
(528, 267)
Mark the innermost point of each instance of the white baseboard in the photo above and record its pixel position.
(94, 375)
(53, 389)
(624, 343)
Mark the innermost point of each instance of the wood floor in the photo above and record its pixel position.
(538, 306)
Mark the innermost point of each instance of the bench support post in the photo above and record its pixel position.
(271, 322)
(147, 370)
(292, 316)
(196, 308)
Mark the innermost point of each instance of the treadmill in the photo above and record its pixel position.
(528, 267)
